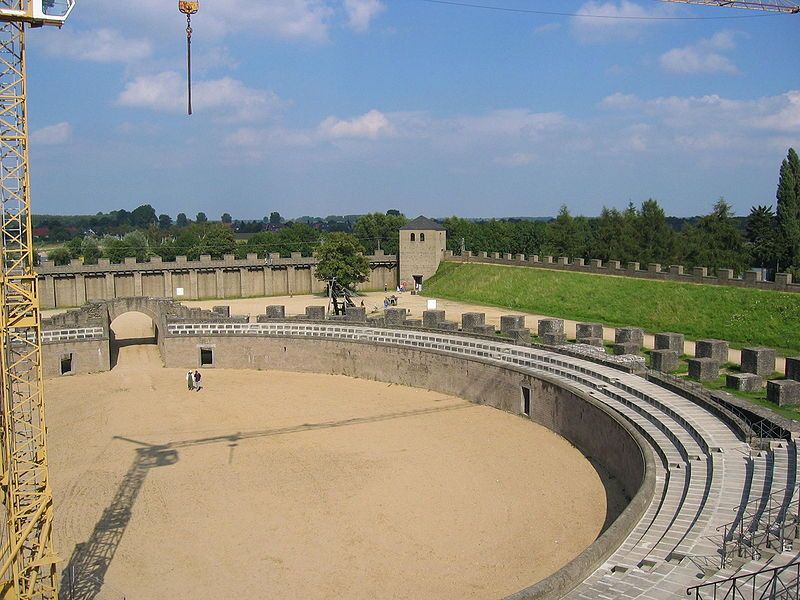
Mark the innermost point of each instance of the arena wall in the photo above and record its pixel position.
(750, 279)
(76, 284)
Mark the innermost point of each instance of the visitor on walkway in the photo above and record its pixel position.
(197, 385)
(190, 381)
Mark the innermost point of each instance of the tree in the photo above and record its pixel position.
(616, 235)
(275, 218)
(788, 211)
(201, 218)
(60, 256)
(90, 250)
(182, 221)
(165, 221)
(655, 237)
(715, 242)
(376, 228)
(227, 219)
(341, 258)
(762, 236)
(134, 244)
(393, 212)
(143, 216)
(563, 235)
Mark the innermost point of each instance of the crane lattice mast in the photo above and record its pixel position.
(28, 564)
(781, 6)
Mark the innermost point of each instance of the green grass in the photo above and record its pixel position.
(759, 397)
(742, 316)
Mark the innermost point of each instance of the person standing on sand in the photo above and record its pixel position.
(190, 381)
(197, 385)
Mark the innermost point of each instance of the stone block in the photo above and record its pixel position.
(714, 349)
(578, 262)
(793, 368)
(276, 312)
(469, 321)
(596, 263)
(315, 313)
(724, 274)
(744, 382)
(592, 341)
(496, 255)
(520, 257)
(356, 314)
(412, 323)
(753, 276)
(588, 330)
(229, 257)
(506, 256)
(563, 260)
(252, 257)
(785, 392)
(521, 335)
(664, 361)
(550, 326)
(654, 268)
(548, 260)
(759, 361)
(670, 341)
(509, 322)
(483, 255)
(614, 265)
(448, 325)
(223, 311)
(554, 339)
(676, 269)
(376, 321)
(296, 255)
(629, 335)
(703, 369)
(394, 316)
(205, 258)
(484, 330)
(700, 272)
(432, 318)
(633, 266)
(534, 258)
(621, 348)
(783, 279)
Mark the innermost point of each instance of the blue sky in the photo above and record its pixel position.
(348, 106)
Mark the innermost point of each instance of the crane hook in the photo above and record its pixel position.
(189, 8)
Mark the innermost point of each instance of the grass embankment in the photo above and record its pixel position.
(744, 317)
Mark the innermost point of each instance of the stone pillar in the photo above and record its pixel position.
(703, 369)
(80, 289)
(753, 276)
(563, 261)
(138, 288)
(509, 322)
(785, 392)
(589, 333)
(111, 289)
(397, 316)
(276, 311)
(614, 265)
(432, 318)
(47, 292)
(169, 288)
(222, 311)
(194, 288)
(664, 361)
(219, 276)
(315, 313)
(578, 262)
(291, 282)
(628, 340)
(793, 368)
(700, 272)
(633, 266)
(670, 341)
(246, 282)
(471, 320)
(676, 269)
(596, 263)
(356, 314)
(759, 361)
(654, 268)
(521, 257)
(714, 349)
(724, 274)
(783, 279)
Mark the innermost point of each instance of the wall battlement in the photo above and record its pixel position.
(750, 279)
(76, 284)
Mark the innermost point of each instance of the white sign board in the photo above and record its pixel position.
(179, 292)
(431, 304)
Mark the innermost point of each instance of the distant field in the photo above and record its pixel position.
(742, 316)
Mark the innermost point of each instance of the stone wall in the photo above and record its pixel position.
(420, 257)
(75, 284)
(750, 279)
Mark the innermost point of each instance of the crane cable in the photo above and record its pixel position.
(189, 8)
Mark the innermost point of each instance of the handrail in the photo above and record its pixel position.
(746, 505)
(773, 572)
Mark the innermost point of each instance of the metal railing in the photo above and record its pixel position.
(770, 584)
(761, 526)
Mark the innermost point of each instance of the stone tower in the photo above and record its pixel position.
(422, 246)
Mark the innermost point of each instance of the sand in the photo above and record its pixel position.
(281, 485)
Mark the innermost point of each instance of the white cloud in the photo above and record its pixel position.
(371, 125)
(547, 27)
(703, 57)
(518, 159)
(360, 13)
(52, 135)
(511, 122)
(227, 98)
(98, 45)
(615, 20)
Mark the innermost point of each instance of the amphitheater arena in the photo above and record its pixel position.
(346, 457)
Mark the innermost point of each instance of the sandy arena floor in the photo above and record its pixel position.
(280, 485)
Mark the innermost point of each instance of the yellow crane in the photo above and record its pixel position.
(28, 563)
